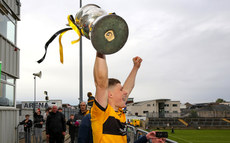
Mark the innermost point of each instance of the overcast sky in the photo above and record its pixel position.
(185, 47)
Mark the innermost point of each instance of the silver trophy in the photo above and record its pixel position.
(107, 32)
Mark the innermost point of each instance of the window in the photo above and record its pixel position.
(148, 105)
(145, 112)
(166, 111)
(174, 105)
(7, 27)
(166, 105)
(7, 94)
(153, 104)
(175, 112)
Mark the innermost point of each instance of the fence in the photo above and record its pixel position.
(163, 115)
(68, 111)
(135, 133)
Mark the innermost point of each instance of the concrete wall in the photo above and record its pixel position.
(9, 119)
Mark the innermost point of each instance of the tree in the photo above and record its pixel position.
(220, 100)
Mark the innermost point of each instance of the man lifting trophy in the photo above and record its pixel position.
(108, 32)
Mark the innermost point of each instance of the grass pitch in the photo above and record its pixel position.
(200, 136)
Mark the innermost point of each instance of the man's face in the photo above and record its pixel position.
(119, 96)
(83, 106)
(54, 109)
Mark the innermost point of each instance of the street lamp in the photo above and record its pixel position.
(38, 75)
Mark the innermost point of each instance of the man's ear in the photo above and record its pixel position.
(110, 94)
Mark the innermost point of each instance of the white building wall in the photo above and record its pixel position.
(152, 107)
(9, 120)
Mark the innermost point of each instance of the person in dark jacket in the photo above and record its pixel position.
(85, 130)
(72, 127)
(27, 128)
(55, 126)
(38, 122)
(79, 116)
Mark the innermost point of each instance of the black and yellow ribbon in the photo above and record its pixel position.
(62, 32)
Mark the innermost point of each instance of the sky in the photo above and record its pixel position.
(185, 47)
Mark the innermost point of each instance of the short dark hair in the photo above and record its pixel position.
(27, 115)
(89, 93)
(113, 81)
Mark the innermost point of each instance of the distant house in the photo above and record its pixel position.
(155, 108)
(225, 103)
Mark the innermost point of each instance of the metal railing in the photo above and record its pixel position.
(134, 133)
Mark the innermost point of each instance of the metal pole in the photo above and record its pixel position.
(34, 93)
(34, 106)
(81, 81)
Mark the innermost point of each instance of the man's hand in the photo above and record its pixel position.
(130, 81)
(41, 123)
(137, 62)
(47, 136)
(63, 133)
(152, 136)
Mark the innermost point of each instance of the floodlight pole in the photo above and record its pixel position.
(80, 68)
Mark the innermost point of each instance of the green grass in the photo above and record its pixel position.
(200, 136)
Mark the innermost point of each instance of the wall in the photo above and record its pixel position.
(9, 120)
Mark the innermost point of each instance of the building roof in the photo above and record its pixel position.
(147, 101)
(215, 108)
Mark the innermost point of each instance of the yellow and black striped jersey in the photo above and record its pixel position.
(108, 126)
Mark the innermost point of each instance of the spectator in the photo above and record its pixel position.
(150, 136)
(79, 116)
(27, 128)
(38, 122)
(172, 131)
(72, 127)
(85, 130)
(55, 126)
(82, 112)
(60, 109)
(90, 99)
(47, 113)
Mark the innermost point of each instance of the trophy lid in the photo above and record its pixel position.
(109, 34)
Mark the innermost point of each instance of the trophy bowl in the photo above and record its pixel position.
(108, 32)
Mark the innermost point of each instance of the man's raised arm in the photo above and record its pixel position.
(101, 80)
(130, 81)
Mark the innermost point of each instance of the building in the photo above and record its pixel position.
(155, 108)
(225, 103)
(214, 111)
(26, 107)
(9, 57)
